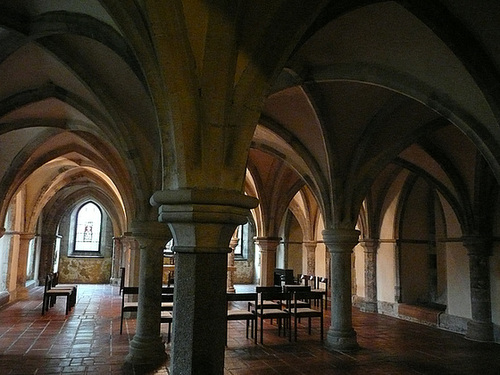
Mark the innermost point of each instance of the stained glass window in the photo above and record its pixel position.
(88, 227)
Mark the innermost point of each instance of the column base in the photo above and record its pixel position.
(369, 307)
(342, 340)
(146, 352)
(479, 331)
(22, 293)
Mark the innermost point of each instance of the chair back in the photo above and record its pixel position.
(235, 297)
(167, 297)
(309, 296)
(55, 278)
(304, 280)
(296, 288)
(122, 278)
(263, 289)
(167, 290)
(48, 283)
(282, 297)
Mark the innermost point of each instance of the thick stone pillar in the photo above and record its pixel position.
(480, 328)
(147, 347)
(268, 246)
(370, 302)
(340, 243)
(310, 250)
(202, 223)
(230, 265)
(22, 264)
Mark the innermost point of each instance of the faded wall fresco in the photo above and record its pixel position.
(84, 270)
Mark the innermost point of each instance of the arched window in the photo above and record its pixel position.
(245, 240)
(88, 228)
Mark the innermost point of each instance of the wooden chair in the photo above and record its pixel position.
(322, 286)
(313, 282)
(122, 279)
(167, 315)
(50, 294)
(128, 305)
(278, 313)
(238, 313)
(304, 280)
(56, 285)
(298, 288)
(167, 302)
(267, 304)
(297, 312)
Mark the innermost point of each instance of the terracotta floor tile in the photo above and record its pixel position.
(87, 341)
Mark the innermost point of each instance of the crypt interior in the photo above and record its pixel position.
(357, 141)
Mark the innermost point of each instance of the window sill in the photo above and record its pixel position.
(85, 256)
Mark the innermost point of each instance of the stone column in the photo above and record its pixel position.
(480, 328)
(268, 246)
(116, 264)
(230, 265)
(340, 243)
(22, 264)
(131, 259)
(147, 346)
(370, 302)
(202, 223)
(310, 250)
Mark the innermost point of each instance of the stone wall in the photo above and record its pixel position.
(244, 273)
(85, 268)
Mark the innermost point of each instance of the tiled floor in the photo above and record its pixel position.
(87, 341)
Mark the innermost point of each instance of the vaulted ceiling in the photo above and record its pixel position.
(369, 88)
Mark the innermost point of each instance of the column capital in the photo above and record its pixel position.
(149, 229)
(202, 220)
(477, 244)
(203, 205)
(26, 236)
(150, 234)
(267, 243)
(339, 240)
(233, 243)
(370, 244)
(311, 245)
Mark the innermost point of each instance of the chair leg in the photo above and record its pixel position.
(261, 331)
(67, 303)
(295, 327)
(254, 330)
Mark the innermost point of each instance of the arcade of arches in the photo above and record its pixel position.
(356, 140)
